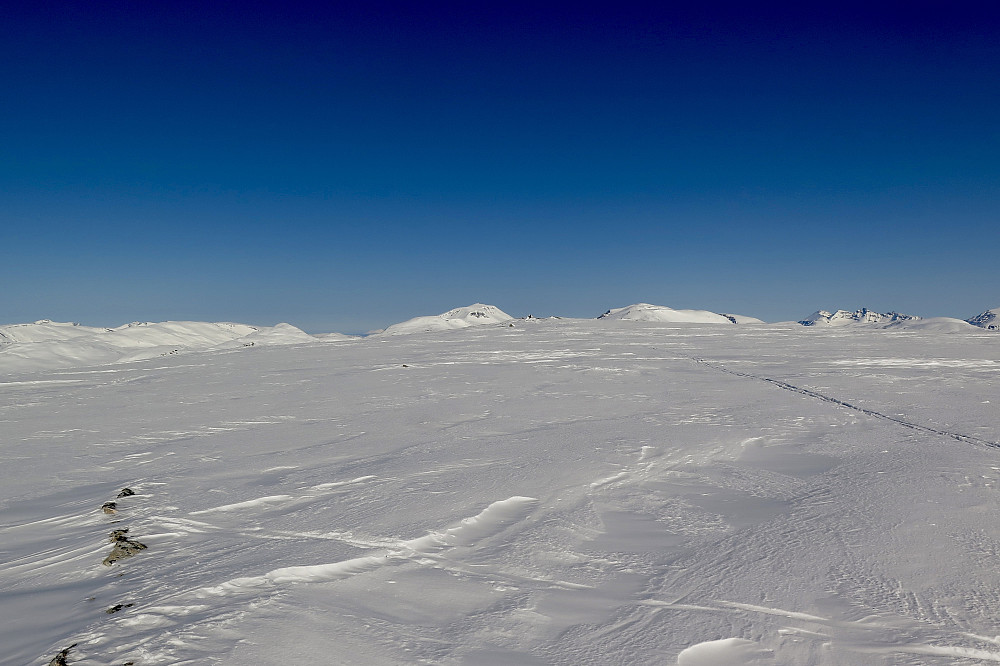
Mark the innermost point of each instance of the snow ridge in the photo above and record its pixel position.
(49, 344)
(661, 313)
(861, 316)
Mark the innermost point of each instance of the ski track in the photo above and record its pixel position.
(842, 403)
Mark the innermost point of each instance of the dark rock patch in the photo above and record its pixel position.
(126, 492)
(60, 659)
(117, 535)
(123, 547)
(109, 507)
(117, 607)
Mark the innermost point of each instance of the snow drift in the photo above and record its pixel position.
(933, 324)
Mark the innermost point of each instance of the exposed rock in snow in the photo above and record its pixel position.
(661, 313)
(476, 314)
(989, 320)
(742, 319)
(335, 337)
(862, 316)
(568, 492)
(724, 652)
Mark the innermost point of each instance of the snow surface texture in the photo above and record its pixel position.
(557, 492)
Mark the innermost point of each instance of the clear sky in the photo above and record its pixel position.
(343, 166)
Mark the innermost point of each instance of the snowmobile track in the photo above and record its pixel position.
(969, 439)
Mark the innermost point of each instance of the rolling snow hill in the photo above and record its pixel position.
(661, 313)
(932, 324)
(862, 316)
(476, 314)
(48, 344)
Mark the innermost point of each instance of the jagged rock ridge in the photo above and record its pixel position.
(990, 320)
(862, 316)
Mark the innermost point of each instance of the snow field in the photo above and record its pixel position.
(559, 492)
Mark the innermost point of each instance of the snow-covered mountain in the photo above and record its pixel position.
(477, 314)
(576, 492)
(742, 319)
(50, 344)
(989, 320)
(932, 325)
(661, 313)
(862, 316)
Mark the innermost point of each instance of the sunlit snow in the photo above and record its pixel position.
(522, 491)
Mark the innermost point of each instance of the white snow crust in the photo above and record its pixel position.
(933, 324)
(723, 652)
(559, 491)
(742, 319)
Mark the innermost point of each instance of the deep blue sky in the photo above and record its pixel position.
(344, 167)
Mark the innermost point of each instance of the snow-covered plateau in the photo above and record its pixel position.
(518, 492)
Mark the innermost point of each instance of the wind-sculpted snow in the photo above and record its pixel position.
(722, 652)
(488, 523)
(559, 492)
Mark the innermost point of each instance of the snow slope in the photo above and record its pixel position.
(48, 344)
(476, 314)
(661, 313)
(569, 492)
(934, 324)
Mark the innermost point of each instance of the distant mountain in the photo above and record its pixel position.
(933, 325)
(862, 316)
(990, 320)
(661, 313)
(476, 314)
(49, 344)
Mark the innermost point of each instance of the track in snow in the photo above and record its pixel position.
(969, 439)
